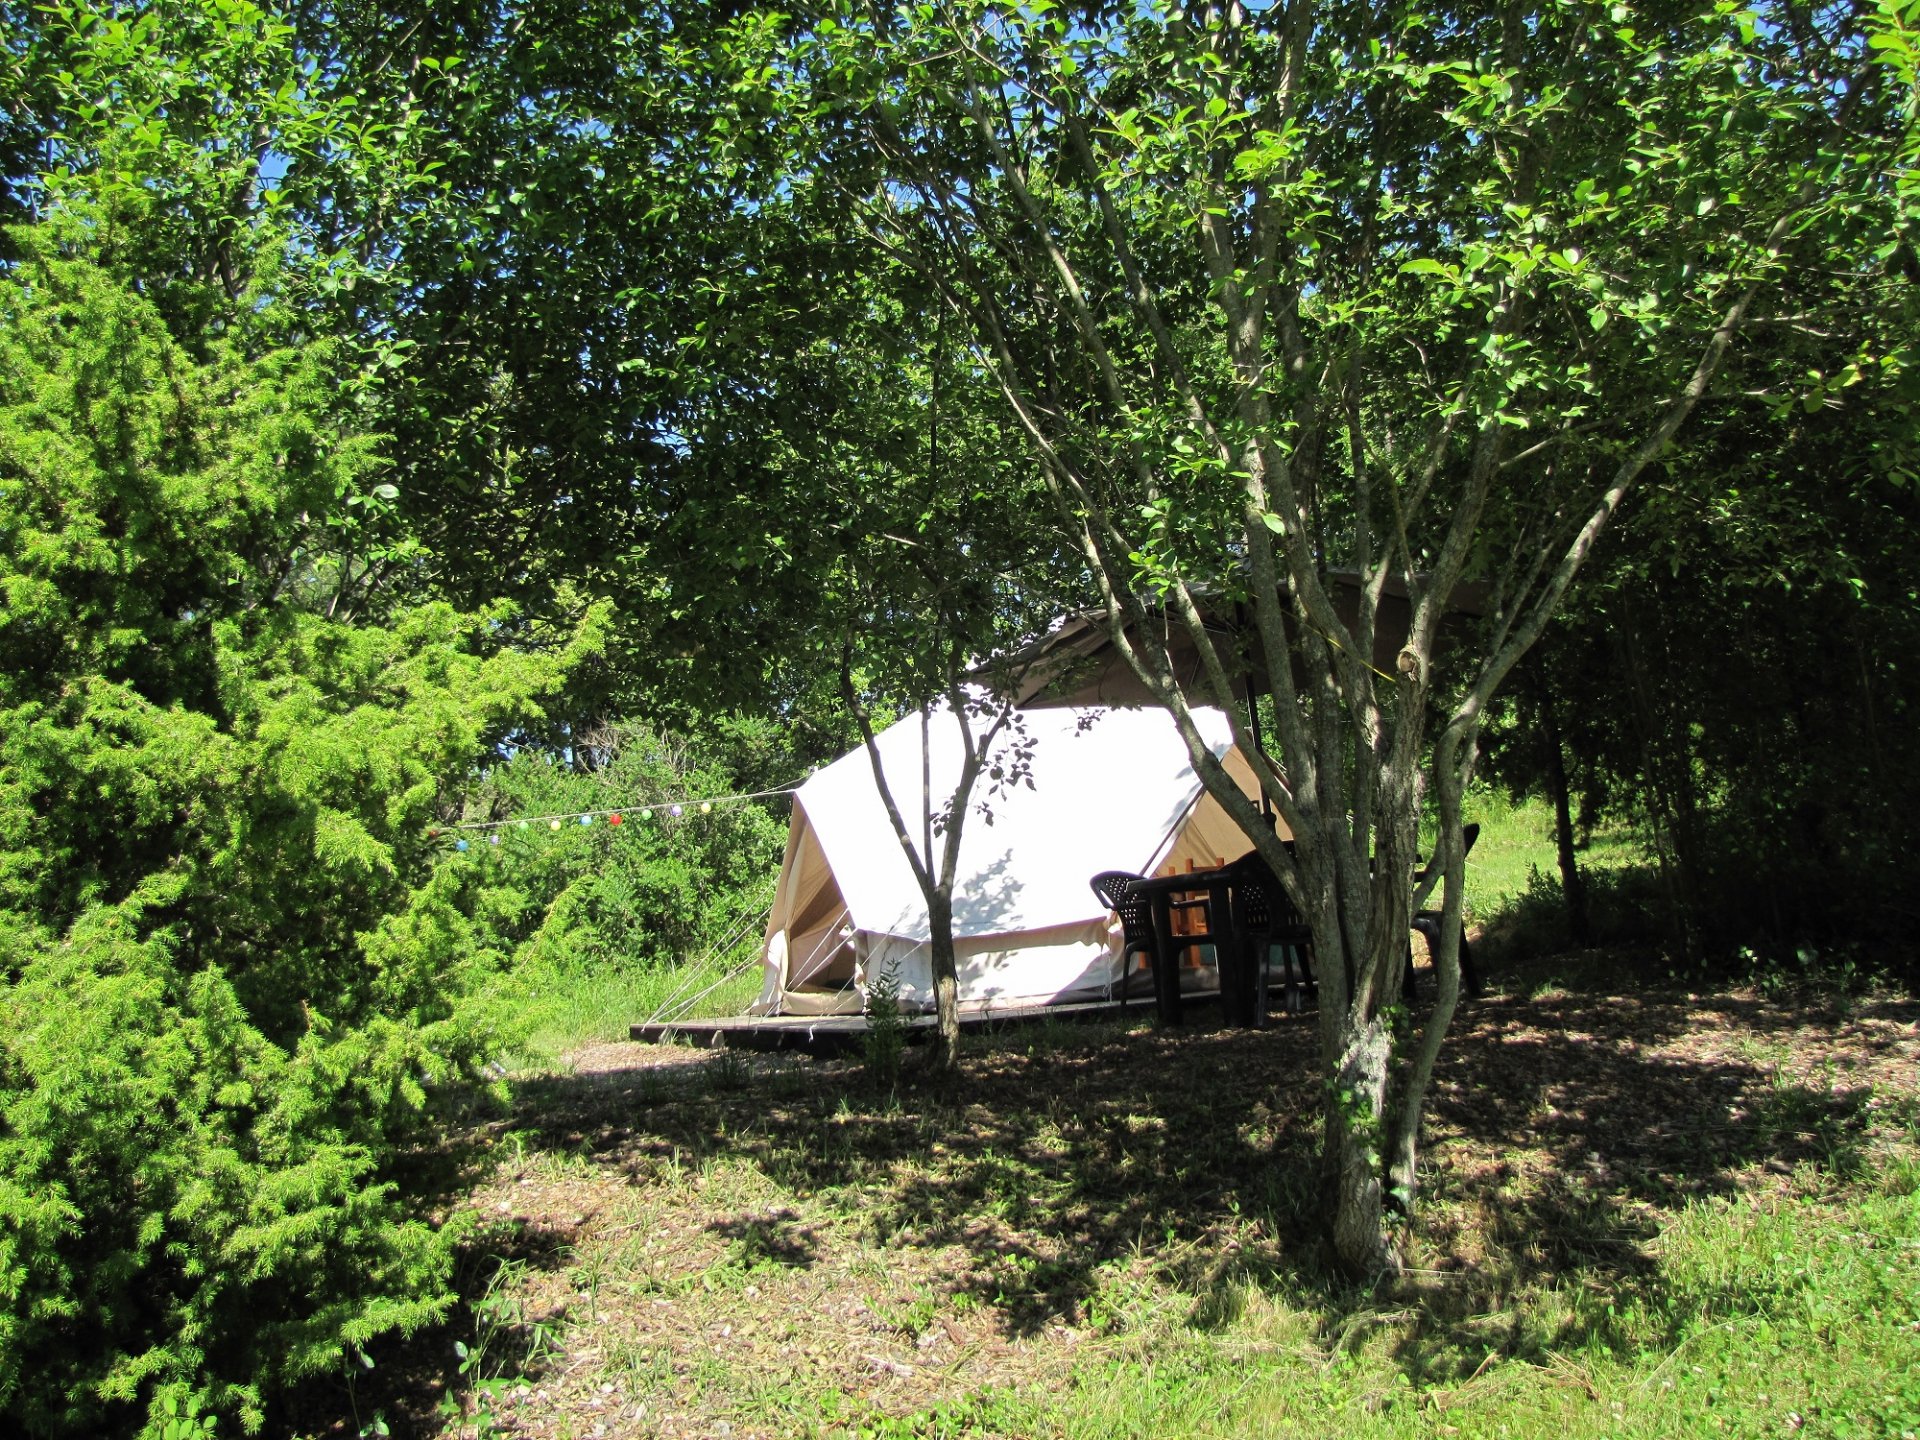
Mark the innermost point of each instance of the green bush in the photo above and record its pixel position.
(238, 977)
(656, 889)
(1624, 909)
(885, 1041)
(608, 923)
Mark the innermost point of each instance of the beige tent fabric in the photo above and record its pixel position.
(1209, 836)
(811, 947)
(816, 925)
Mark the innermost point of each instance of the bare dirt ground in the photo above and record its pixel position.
(670, 1242)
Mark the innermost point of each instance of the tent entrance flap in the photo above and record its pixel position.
(1208, 835)
(809, 947)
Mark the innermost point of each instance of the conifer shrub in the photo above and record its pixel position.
(885, 1041)
(239, 972)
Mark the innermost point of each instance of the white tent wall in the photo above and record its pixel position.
(1111, 789)
(1076, 962)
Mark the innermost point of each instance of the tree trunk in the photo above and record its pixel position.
(946, 981)
(1665, 796)
(1572, 886)
(1355, 1121)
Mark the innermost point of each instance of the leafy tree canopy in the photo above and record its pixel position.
(1417, 295)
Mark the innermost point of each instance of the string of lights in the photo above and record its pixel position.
(492, 830)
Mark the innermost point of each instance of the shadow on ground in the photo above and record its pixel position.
(1562, 1125)
(1570, 1118)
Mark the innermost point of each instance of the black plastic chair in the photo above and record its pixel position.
(1263, 919)
(1427, 924)
(1115, 890)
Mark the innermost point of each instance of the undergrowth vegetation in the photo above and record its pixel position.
(1512, 864)
(657, 916)
(667, 881)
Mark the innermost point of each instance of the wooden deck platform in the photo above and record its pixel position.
(836, 1034)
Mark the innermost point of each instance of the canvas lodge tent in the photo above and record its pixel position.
(1111, 789)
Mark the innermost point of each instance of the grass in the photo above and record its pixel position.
(563, 1012)
(1515, 853)
(1756, 1317)
(1644, 1212)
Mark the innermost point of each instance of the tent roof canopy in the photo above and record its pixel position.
(1076, 663)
